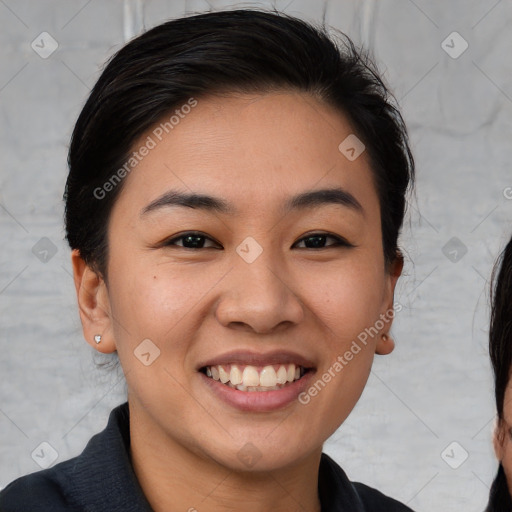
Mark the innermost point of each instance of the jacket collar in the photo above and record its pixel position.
(102, 477)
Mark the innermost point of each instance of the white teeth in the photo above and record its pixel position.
(235, 376)
(290, 377)
(250, 377)
(268, 377)
(223, 375)
(282, 375)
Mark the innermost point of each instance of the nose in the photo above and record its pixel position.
(256, 297)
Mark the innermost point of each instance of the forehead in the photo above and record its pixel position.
(251, 149)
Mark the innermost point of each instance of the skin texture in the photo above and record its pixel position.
(194, 304)
(503, 437)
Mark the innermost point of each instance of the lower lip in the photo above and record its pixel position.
(258, 401)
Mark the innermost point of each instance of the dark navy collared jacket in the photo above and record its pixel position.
(101, 479)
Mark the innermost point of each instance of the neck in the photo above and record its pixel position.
(174, 479)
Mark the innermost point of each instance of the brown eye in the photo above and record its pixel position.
(318, 240)
(191, 240)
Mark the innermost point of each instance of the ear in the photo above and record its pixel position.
(385, 343)
(93, 304)
(498, 439)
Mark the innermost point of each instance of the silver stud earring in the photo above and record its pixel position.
(97, 338)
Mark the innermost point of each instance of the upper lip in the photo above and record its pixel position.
(258, 359)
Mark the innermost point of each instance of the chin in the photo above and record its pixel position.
(254, 457)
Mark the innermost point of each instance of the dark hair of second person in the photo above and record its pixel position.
(500, 350)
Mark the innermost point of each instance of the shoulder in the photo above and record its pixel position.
(100, 478)
(375, 500)
(338, 493)
(37, 491)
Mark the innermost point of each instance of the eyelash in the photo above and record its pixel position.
(340, 242)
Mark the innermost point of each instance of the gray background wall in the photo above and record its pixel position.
(434, 390)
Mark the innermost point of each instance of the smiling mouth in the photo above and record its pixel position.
(255, 378)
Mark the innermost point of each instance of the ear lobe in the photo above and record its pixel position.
(394, 271)
(93, 304)
(385, 345)
(498, 440)
(396, 267)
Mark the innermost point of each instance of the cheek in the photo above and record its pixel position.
(348, 299)
(159, 301)
(349, 303)
(148, 304)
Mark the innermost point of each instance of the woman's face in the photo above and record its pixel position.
(258, 286)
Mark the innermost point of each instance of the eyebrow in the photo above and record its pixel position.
(305, 200)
